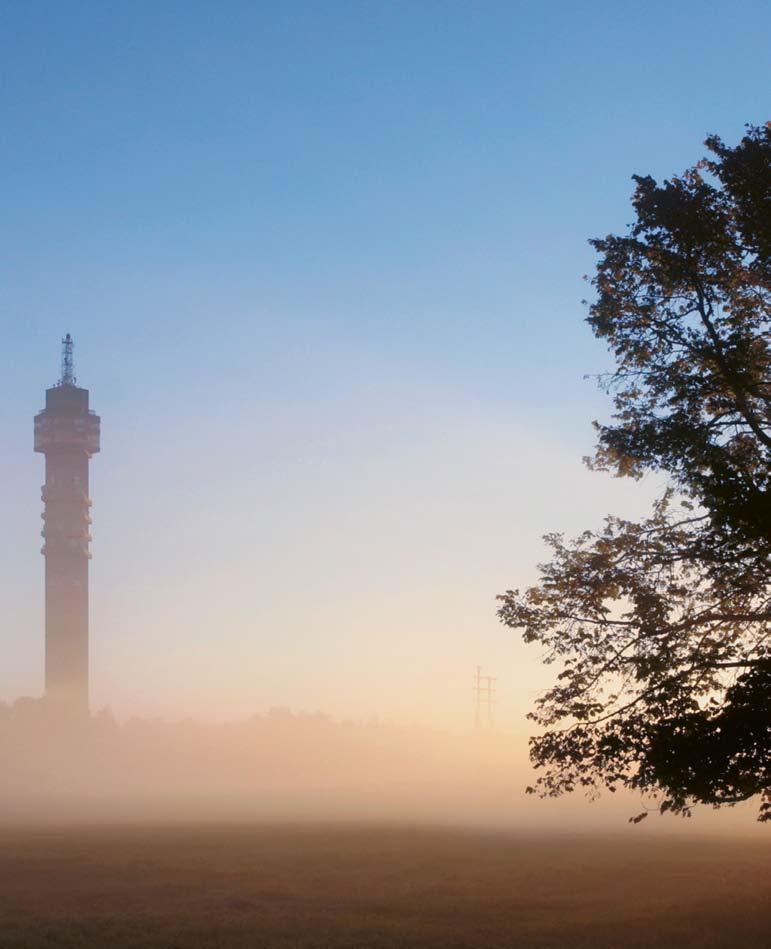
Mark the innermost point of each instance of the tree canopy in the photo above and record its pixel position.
(661, 629)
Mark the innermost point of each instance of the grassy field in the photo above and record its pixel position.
(343, 886)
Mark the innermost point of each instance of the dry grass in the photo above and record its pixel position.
(342, 886)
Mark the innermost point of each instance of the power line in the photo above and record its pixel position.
(484, 698)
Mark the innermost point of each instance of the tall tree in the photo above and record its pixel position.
(662, 629)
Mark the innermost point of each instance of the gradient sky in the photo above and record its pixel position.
(322, 262)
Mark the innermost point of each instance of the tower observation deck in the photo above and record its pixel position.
(67, 433)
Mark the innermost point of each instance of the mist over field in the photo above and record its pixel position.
(276, 765)
(285, 766)
(290, 831)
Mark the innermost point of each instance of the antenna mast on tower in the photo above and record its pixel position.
(68, 362)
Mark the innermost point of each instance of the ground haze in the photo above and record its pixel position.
(326, 885)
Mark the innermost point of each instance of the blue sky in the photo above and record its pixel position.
(323, 266)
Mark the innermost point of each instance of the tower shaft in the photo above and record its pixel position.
(67, 433)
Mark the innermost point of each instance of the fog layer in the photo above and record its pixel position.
(282, 766)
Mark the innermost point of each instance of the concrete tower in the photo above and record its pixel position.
(67, 433)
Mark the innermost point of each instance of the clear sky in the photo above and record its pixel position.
(322, 262)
